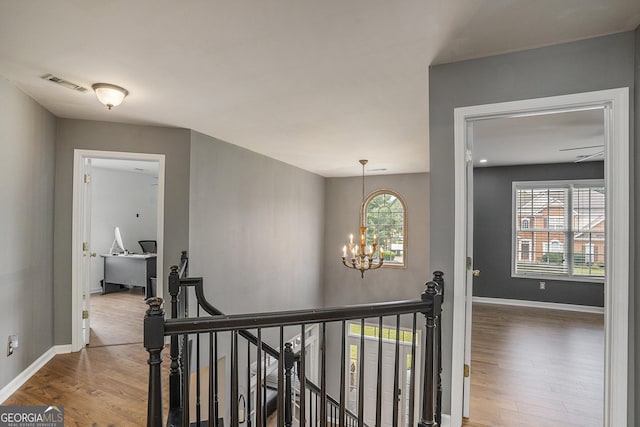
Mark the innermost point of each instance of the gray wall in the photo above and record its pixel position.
(91, 135)
(27, 138)
(342, 217)
(588, 65)
(256, 229)
(492, 233)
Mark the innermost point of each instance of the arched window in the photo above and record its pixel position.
(385, 216)
(525, 224)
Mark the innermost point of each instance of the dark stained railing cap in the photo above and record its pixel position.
(155, 306)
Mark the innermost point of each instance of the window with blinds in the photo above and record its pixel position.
(559, 229)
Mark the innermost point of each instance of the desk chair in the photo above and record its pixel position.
(148, 246)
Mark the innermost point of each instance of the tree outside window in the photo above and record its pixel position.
(385, 217)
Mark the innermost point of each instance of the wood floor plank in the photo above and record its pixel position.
(532, 367)
(106, 383)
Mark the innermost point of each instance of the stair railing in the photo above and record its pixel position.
(327, 410)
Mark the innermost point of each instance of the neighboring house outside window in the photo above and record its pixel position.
(385, 216)
(558, 229)
(525, 254)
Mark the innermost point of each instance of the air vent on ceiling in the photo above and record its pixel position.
(63, 82)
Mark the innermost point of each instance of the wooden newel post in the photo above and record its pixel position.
(175, 382)
(154, 343)
(289, 359)
(428, 385)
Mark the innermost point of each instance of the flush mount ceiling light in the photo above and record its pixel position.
(110, 95)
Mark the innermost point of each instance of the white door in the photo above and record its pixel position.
(87, 253)
(388, 370)
(466, 389)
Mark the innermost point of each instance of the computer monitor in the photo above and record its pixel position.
(117, 245)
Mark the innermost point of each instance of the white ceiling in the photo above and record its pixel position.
(316, 84)
(544, 138)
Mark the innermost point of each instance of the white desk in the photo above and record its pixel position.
(129, 270)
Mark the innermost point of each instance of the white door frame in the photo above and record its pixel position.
(616, 286)
(76, 232)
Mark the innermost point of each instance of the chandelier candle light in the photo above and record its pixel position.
(362, 256)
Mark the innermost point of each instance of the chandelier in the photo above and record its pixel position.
(362, 257)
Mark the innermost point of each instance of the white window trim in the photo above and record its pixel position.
(570, 185)
(363, 216)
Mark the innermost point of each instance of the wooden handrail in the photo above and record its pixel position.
(292, 318)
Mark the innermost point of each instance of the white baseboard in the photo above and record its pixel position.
(23, 376)
(540, 304)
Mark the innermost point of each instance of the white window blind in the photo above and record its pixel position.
(563, 235)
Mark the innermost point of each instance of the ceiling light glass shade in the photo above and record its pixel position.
(110, 95)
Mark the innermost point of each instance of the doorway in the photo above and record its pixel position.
(85, 250)
(538, 203)
(615, 103)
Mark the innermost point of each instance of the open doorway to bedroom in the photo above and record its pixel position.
(117, 243)
(615, 105)
(537, 341)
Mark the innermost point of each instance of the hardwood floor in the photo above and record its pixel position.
(116, 318)
(532, 367)
(106, 383)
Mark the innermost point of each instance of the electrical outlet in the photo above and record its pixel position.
(543, 286)
(10, 346)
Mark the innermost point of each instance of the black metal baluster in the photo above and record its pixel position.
(247, 415)
(323, 377)
(259, 421)
(234, 379)
(438, 277)
(412, 379)
(198, 409)
(302, 376)
(361, 377)
(264, 393)
(343, 368)
(210, 411)
(186, 379)
(396, 368)
(288, 366)
(379, 386)
(216, 414)
(281, 380)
